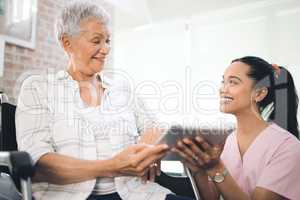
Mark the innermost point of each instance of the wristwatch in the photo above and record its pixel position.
(219, 177)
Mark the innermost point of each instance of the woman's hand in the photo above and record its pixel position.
(151, 136)
(136, 159)
(153, 171)
(198, 155)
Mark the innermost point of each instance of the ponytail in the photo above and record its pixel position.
(286, 99)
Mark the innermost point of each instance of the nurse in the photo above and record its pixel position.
(260, 160)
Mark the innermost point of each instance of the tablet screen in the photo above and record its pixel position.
(213, 136)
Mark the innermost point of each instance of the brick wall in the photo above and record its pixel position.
(47, 54)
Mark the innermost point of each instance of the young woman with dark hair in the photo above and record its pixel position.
(260, 159)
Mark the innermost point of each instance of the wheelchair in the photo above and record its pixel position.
(17, 168)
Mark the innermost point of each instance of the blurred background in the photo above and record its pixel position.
(173, 51)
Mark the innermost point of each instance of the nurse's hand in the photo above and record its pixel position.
(198, 155)
(136, 160)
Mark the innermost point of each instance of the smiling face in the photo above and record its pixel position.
(88, 49)
(237, 93)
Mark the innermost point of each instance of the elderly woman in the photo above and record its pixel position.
(80, 127)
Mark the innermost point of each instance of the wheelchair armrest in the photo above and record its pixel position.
(20, 167)
(19, 163)
(22, 164)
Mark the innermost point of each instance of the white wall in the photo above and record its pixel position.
(168, 60)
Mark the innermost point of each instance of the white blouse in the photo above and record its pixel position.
(51, 117)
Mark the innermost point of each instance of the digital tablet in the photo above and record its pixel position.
(213, 136)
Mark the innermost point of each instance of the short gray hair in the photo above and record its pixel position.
(68, 21)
